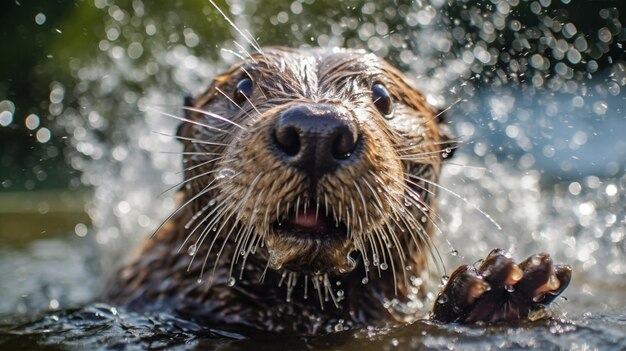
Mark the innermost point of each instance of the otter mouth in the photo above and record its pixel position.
(311, 241)
(312, 225)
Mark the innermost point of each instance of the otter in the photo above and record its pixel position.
(308, 205)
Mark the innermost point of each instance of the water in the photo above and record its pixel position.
(544, 159)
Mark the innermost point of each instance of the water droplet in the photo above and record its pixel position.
(225, 173)
(535, 260)
(454, 252)
(365, 280)
(384, 266)
(230, 281)
(600, 108)
(349, 265)
(54, 304)
(40, 18)
(416, 281)
(509, 288)
(442, 299)
(192, 250)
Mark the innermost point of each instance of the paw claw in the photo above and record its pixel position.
(476, 290)
(499, 289)
(516, 274)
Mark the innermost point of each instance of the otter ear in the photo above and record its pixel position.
(188, 102)
(448, 142)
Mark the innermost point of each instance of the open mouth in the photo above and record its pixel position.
(311, 241)
(312, 225)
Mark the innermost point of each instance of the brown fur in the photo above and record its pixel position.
(237, 192)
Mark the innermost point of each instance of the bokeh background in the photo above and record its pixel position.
(535, 91)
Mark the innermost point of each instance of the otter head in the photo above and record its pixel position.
(313, 161)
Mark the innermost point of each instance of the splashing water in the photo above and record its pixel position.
(540, 109)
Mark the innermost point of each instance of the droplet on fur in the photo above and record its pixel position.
(230, 281)
(509, 288)
(225, 173)
(365, 280)
(442, 299)
(384, 266)
(192, 250)
(350, 265)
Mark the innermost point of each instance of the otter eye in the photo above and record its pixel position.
(243, 91)
(382, 100)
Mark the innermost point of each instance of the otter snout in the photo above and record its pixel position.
(316, 138)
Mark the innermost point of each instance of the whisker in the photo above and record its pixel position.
(232, 24)
(442, 112)
(182, 119)
(232, 52)
(245, 51)
(202, 192)
(185, 181)
(195, 141)
(213, 115)
(208, 226)
(468, 166)
(234, 103)
(200, 165)
(189, 153)
(460, 197)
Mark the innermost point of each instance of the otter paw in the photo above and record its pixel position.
(500, 290)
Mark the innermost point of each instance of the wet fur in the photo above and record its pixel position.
(236, 190)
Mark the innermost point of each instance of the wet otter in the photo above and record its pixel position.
(308, 205)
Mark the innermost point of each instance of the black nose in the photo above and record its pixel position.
(316, 138)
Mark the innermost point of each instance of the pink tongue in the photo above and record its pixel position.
(307, 220)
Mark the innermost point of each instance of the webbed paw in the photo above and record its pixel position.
(500, 290)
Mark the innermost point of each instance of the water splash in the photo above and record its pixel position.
(548, 93)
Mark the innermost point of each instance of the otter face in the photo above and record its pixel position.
(313, 161)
